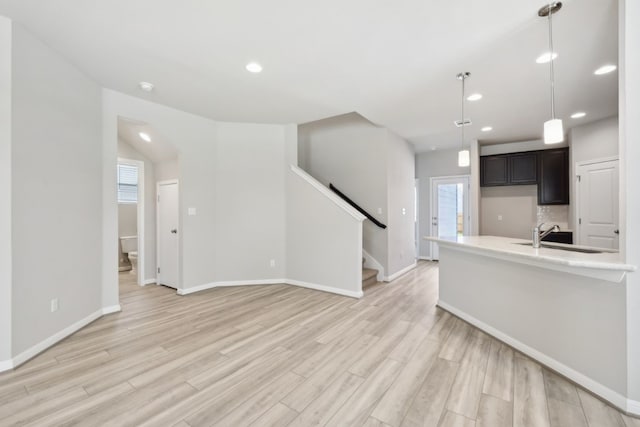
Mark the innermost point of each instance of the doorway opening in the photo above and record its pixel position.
(130, 190)
(449, 209)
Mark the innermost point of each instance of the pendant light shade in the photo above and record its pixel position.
(463, 158)
(553, 131)
(463, 154)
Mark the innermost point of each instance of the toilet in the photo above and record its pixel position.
(129, 246)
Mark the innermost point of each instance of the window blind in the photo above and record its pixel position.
(127, 183)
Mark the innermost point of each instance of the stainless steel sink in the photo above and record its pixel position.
(564, 248)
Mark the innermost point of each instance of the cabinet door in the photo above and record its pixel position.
(494, 170)
(523, 168)
(553, 186)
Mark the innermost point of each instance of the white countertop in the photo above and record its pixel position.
(607, 265)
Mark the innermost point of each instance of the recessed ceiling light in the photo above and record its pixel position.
(605, 69)
(546, 57)
(486, 129)
(144, 136)
(254, 67)
(433, 148)
(578, 115)
(146, 86)
(474, 97)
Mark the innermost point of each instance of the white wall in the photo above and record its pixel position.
(5, 189)
(250, 202)
(56, 144)
(596, 140)
(428, 165)
(324, 240)
(128, 215)
(400, 189)
(233, 174)
(351, 153)
(166, 170)
(630, 190)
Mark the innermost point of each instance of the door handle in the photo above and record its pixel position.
(616, 231)
(174, 231)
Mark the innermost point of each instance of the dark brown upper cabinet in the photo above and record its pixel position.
(494, 171)
(523, 168)
(553, 174)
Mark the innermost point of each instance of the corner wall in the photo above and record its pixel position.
(5, 190)
(629, 189)
(56, 149)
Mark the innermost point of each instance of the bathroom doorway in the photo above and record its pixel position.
(130, 191)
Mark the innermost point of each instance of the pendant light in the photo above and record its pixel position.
(463, 154)
(553, 132)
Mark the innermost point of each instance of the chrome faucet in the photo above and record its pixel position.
(538, 234)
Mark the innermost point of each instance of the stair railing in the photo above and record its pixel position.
(355, 205)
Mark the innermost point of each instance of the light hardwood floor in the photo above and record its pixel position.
(286, 356)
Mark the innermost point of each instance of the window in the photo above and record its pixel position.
(127, 184)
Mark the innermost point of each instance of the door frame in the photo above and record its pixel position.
(158, 184)
(467, 219)
(576, 210)
(139, 215)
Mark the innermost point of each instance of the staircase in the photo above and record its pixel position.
(369, 276)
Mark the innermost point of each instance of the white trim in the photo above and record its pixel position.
(371, 262)
(327, 193)
(330, 289)
(211, 285)
(425, 258)
(599, 160)
(633, 407)
(111, 309)
(139, 215)
(611, 396)
(149, 281)
(55, 338)
(5, 365)
(323, 288)
(397, 274)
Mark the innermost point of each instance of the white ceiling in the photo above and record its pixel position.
(393, 62)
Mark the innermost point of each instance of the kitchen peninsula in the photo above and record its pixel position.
(564, 308)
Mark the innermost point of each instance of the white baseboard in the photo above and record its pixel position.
(149, 282)
(353, 294)
(611, 396)
(5, 365)
(397, 274)
(111, 309)
(330, 289)
(633, 407)
(212, 285)
(55, 338)
(425, 258)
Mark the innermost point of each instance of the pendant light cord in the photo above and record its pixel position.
(553, 103)
(462, 119)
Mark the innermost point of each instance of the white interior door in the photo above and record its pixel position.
(598, 204)
(449, 209)
(168, 234)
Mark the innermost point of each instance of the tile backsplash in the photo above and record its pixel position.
(554, 214)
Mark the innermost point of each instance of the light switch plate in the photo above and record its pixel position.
(379, 210)
(192, 211)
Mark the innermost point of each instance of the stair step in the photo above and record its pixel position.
(369, 277)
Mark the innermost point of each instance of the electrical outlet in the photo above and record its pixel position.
(192, 211)
(54, 305)
(404, 211)
(499, 217)
(379, 210)
(272, 263)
